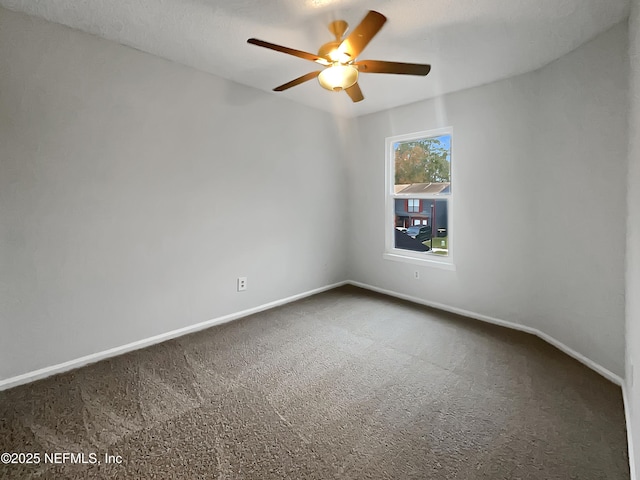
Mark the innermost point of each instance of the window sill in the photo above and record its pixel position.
(425, 262)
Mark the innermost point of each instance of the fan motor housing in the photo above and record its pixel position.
(327, 49)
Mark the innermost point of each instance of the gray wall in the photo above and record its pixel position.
(578, 180)
(133, 192)
(633, 235)
(545, 154)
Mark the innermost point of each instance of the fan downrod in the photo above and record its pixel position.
(338, 28)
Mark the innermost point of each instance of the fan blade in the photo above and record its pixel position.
(297, 81)
(379, 66)
(354, 44)
(355, 93)
(290, 51)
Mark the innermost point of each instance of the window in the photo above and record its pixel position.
(419, 197)
(413, 205)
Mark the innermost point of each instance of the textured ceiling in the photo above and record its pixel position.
(467, 42)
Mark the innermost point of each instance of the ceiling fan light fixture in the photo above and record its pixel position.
(338, 77)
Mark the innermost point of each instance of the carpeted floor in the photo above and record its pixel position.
(346, 384)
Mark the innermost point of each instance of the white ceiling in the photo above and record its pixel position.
(467, 42)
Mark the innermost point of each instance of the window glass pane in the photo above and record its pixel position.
(425, 230)
(423, 166)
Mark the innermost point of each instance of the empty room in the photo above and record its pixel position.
(320, 239)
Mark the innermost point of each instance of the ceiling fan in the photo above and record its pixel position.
(339, 58)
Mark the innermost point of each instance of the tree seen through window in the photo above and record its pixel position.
(426, 160)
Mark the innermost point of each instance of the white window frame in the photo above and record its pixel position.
(408, 256)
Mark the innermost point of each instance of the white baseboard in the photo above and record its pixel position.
(95, 357)
(627, 418)
(112, 352)
(504, 323)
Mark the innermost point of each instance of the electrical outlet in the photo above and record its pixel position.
(416, 274)
(242, 284)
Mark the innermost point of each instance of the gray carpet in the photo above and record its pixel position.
(346, 384)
